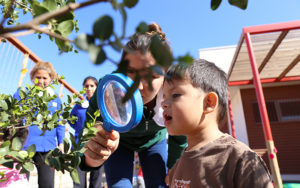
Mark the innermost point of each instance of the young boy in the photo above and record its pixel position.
(195, 105)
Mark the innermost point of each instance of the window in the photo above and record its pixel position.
(279, 110)
(289, 110)
(273, 117)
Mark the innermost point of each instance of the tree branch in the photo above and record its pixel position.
(23, 33)
(24, 6)
(47, 16)
(58, 36)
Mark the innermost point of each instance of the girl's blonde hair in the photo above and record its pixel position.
(43, 66)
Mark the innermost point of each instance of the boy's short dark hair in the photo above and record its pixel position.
(205, 75)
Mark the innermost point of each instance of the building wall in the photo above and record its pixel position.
(286, 135)
(221, 56)
(238, 115)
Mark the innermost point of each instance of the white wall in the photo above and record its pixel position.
(221, 56)
(238, 115)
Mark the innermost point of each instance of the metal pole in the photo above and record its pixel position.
(264, 115)
(231, 116)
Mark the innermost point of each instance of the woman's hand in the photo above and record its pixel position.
(100, 147)
(61, 147)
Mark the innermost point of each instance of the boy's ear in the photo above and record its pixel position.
(210, 102)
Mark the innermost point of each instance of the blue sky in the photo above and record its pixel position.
(189, 25)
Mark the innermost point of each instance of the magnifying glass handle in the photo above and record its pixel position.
(107, 126)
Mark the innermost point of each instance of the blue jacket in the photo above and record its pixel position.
(80, 112)
(51, 139)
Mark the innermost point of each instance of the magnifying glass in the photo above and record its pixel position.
(117, 115)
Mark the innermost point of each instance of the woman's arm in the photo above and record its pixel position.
(176, 146)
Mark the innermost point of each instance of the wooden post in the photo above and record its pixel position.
(60, 91)
(24, 69)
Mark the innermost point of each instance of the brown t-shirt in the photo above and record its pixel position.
(225, 162)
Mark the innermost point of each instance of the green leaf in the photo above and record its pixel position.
(3, 105)
(97, 113)
(38, 9)
(63, 46)
(188, 59)
(23, 154)
(70, 1)
(8, 163)
(239, 3)
(130, 3)
(75, 161)
(3, 151)
(17, 143)
(28, 166)
(67, 16)
(88, 125)
(36, 81)
(39, 118)
(142, 27)
(72, 138)
(4, 116)
(31, 150)
(83, 41)
(22, 93)
(66, 145)
(50, 4)
(5, 144)
(161, 52)
(214, 4)
(75, 177)
(97, 54)
(56, 163)
(65, 115)
(66, 28)
(69, 99)
(103, 27)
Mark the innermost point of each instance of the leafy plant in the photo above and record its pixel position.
(32, 109)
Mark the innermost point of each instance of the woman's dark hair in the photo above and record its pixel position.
(141, 42)
(90, 78)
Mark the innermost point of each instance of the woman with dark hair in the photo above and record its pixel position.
(89, 84)
(149, 137)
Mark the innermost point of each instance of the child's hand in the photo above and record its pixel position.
(167, 180)
(100, 147)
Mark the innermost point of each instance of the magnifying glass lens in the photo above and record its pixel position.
(118, 111)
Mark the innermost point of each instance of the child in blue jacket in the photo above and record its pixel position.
(90, 84)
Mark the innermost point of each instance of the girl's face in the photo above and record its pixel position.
(43, 78)
(90, 87)
(139, 63)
